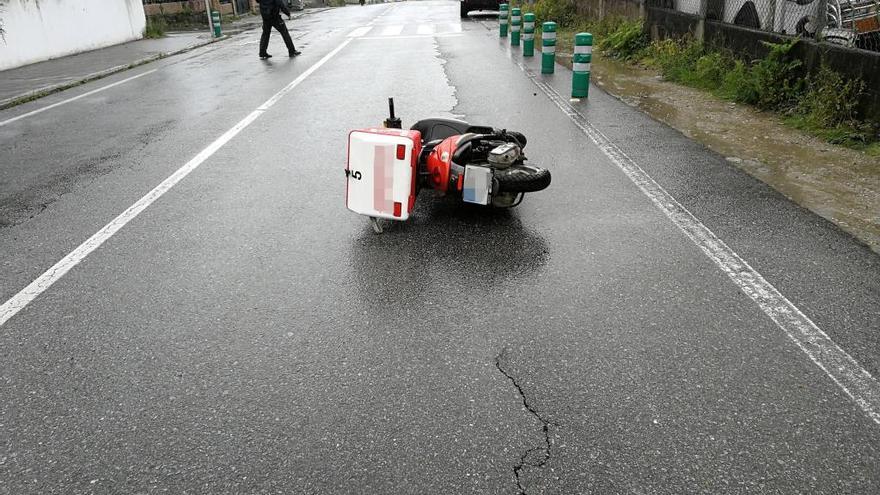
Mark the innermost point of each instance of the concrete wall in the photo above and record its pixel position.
(38, 30)
(193, 6)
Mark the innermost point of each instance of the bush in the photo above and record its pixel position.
(777, 78)
(626, 42)
(711, 69)
(657, 51)
(830, 101)
(155, 27)
(562, 12)
(605, 26)
(828, 108)
(737, 84)
(677, 60)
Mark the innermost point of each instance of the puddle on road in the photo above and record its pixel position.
(840, 184)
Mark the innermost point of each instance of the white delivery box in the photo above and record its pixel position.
(381, 172)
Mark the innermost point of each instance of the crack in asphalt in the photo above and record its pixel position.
(545, 428)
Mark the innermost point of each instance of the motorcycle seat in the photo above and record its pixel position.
(433, 129)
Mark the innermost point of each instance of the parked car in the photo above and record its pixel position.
(471, 5)
(296, 4)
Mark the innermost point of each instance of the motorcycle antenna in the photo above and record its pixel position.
(392, 122)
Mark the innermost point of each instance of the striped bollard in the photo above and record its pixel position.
(515, 25)
(580, 65)
(528, 36)
(502, 19)
(215, 22)
(548, 47)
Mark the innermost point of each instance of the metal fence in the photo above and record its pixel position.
(193, 2)
(851, 23)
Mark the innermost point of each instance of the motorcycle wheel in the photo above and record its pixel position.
(522, 178)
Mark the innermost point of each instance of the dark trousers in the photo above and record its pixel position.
(278, 23)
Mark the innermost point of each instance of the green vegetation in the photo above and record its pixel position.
(828, 109)
(823, 104)
(561, 12)
(156, 27)
(627, 41)
(772, 83)
(568, 22)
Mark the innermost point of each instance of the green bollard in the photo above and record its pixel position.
(528, 36)
(548, 47)
(215, 20)
(580, 65)
(515, 25)
(502, 19)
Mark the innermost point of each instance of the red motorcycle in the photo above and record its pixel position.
(387, 167)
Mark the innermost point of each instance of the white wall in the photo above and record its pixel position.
(42, 29)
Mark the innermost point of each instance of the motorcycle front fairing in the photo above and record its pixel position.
(471, 183)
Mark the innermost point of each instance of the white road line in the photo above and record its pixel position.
(411, 36)
(425, 29)
(392, 30)
(52, 275)
(846, 372)
(454, 28)
(357, 33)
(90, 93)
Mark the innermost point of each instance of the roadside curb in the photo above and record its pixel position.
(48, 90)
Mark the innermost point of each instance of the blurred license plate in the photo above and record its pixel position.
(476, 185)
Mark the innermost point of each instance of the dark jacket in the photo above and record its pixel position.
(273, 8)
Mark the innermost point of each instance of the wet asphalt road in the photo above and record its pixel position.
(246, 333)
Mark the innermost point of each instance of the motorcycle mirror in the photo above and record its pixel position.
(392, 122)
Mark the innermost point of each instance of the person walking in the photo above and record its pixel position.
(271, 11)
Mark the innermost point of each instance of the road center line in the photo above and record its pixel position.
(90, 93)
(846, 372)
(18, 302)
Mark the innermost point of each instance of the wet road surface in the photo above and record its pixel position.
(246, 333)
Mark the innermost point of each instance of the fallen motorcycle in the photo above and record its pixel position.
(387, 167)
